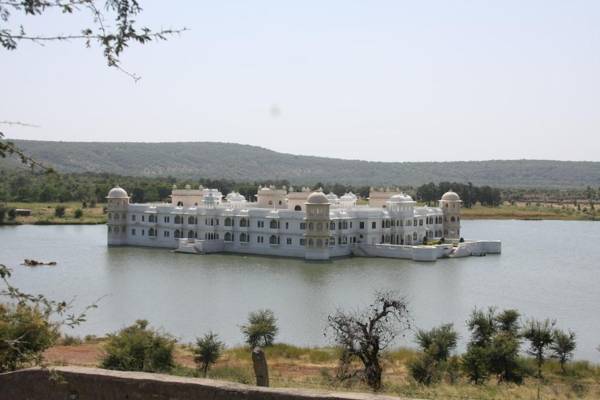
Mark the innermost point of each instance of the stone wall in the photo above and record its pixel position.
(79, 383)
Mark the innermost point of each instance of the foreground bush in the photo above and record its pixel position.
(25, 332)
(138, 348)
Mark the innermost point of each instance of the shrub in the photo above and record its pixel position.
(138, 348)
(563, 347)
(12, 214)
(78, 213)
(207, 351)
(540, 337)
(436, 345)
(59, 211)
(68, 340)
(2, 214)
(29, 332)
(261, 328)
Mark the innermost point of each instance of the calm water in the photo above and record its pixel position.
(547, 269)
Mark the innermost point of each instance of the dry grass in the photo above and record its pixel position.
(43, 214)
(292, 366)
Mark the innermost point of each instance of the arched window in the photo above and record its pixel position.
(178, 219)
(228, 221)
(273, 240)
(298, 208)
(415, 236)
(190, 234)
(243, 237)
(180, 204)
(177, 234)
(452, 219)
(152, 232)
(274, 224)
(191, 220)
(310, 243)
(243, 222)
(310, 226)
(228, 237)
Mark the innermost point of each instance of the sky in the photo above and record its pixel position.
(380, 81)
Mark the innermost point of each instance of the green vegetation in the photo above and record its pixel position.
(249, 163)
(45, 214)
(436, 346)
(207, 351)
(25, 332)
(261, 328)
(139, 348)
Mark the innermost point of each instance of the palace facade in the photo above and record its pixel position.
(282, 222)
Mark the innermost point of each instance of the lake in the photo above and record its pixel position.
(547, 269)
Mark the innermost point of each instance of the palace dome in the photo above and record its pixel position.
(317, 198)
(348, 197)
(450, 196)
(331, 196)
(401, 198)
(117, 193)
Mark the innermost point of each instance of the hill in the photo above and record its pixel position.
(250, 163)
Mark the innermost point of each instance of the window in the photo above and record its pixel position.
(302, 242)
(415, 222)
(274, 239)
(373, 225)
(133, 232)
(302, 225)
(166, 234)
(243, 222)
(287, 225)
(180, 204)
(143, 232)
(133, 217)
(166, 220)
(288, 241)
(362, 225)
(178, 219)
(177, 234)
(260, 239)
(152, 218)
(228, 237)
(152, 232)
(260, 224)
(143, 218)
(244, 237)
(420, 222)
(228, 221)
(192, 221)
(332, 226)
(191, 234)
(298, 208)
(274, 224)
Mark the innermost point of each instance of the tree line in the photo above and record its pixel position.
(469, 193)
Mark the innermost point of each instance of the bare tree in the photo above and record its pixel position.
(365, 334)
(111, 24)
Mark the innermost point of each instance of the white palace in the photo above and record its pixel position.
(305, 224)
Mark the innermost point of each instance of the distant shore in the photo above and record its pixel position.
(44, 213)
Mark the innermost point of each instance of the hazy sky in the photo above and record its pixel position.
(374, 80)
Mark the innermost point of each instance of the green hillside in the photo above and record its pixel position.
(250, 163)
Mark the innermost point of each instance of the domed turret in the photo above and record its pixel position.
(316, 235)
(117, 205)
(317, 198)
(451, 196)
(117, 193)
(450, 204)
